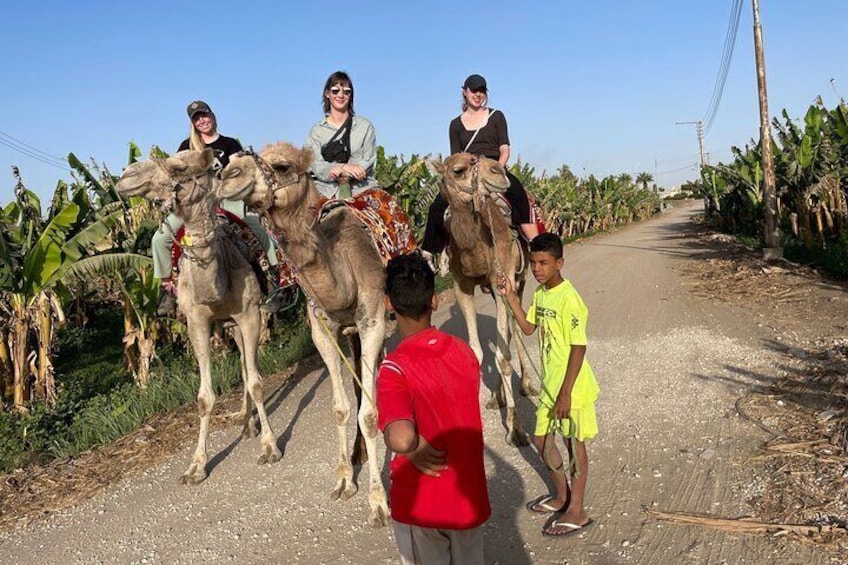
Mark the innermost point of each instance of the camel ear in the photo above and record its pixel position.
(306, 157)
(207, 159)
(435, 166)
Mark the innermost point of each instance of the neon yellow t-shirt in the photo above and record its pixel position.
(560, 317)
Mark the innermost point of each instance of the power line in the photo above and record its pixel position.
(33, 155)
(686, 168)
(727, 56)
(17, 141)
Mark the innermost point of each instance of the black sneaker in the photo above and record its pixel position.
(167, 305)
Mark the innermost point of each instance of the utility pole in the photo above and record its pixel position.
(699, 129)
(771, 247)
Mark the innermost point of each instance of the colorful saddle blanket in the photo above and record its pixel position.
(535, 213)
(381, 215)
(250, 246)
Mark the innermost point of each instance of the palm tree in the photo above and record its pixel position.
(644, 179)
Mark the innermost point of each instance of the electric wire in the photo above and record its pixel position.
(33, 155)
(727, 56)
(17, 141)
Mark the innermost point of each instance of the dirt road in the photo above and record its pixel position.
(670, 369)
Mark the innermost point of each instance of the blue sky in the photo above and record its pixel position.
(597, 85)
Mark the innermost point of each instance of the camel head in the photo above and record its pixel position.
(277, 177)
(176, 177)
(466, 177)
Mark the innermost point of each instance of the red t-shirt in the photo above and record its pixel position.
(433, 379)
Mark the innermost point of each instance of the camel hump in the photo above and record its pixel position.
(383, 217)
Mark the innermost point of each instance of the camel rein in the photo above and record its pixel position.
(554, 423)
(193, 242)
(317, 315)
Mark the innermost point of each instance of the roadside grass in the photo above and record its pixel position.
(102, 403)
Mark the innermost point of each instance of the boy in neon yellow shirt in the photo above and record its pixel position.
(569, 388)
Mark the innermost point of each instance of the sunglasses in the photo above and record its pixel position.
(347, 91)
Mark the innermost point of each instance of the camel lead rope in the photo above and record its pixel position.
(553, 423)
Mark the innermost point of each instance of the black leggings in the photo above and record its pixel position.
(435, 235)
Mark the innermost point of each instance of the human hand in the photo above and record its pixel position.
(562, 407)
(355, 171)
(504, 284)
(335, 171)
(427, 458)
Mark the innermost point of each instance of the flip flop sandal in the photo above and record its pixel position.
(573, 528)
(540, 505)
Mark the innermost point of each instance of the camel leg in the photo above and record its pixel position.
(465, 300)
(249, 429)
(360, 451)
(372, 333)
(198, 331)
(515, 436)
(324, 332)
(248, 329)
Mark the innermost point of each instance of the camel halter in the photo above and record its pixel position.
(197, 242)
(268, 174)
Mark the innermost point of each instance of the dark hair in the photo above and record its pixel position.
(548, 242)
(410, 284)
(341, 78)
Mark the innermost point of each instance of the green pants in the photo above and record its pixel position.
(163, 239)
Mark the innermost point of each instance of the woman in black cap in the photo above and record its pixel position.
(479, 130)
(204, 134)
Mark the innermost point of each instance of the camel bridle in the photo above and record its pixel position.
(194, 194)
(267, 172)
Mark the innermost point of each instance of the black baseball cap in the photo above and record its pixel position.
(196, 107)
(475, 82)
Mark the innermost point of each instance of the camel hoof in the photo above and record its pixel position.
(517, 438)
(195, 475)
(379, 517)
(271, 455)
(344, 490)
(250, 430)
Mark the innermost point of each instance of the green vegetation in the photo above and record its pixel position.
(811, 170)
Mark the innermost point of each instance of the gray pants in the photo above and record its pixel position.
(428, 546)
(163, 239)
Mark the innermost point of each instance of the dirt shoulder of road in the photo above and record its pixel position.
(801, 472)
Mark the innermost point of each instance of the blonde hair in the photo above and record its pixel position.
(195, 140)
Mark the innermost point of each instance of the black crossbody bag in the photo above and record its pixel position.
(337, 150)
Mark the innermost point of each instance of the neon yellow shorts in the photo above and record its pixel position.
(582, 423)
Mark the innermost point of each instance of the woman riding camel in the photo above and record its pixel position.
(204, 134)
(344, 145)
(479, 130)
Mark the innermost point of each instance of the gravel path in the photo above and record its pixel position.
(670, 369)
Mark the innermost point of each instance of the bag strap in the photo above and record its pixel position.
(476, 131)
(344, 130)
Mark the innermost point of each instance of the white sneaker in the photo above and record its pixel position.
(429, 258)
(444, 264)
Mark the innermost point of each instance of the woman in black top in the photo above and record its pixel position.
(479, 130)
(203, 135)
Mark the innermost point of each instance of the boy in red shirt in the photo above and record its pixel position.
(429, 412)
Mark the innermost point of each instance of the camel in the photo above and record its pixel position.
(216, 282)
(343, 277)
(482, 243)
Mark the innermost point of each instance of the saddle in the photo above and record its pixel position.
(247, 243)
(383, 218)
(505, 208)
